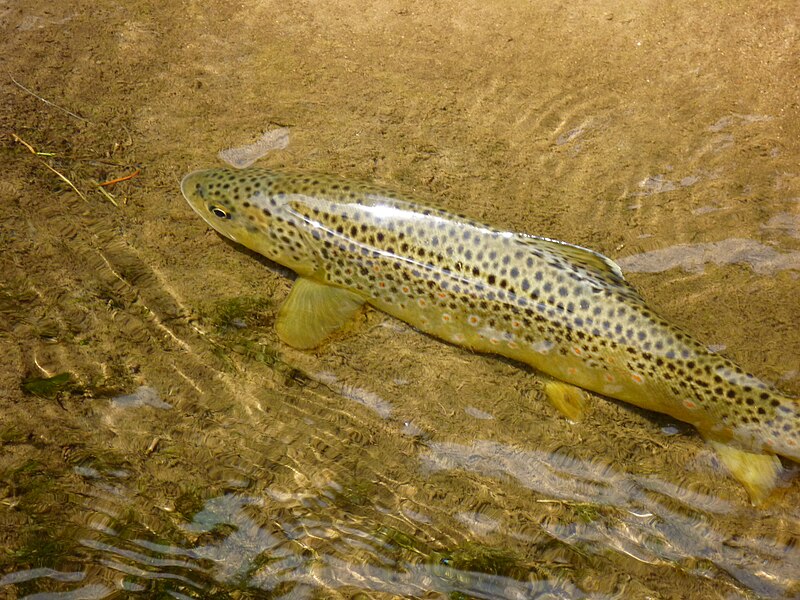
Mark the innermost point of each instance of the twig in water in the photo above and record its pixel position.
(68, 182)
(118, 179)
(30, 148)
(33, 151)
(108, 196)
(35, 95)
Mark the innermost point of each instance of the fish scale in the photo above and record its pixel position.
(562, 309)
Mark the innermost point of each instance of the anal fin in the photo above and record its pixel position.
(568, 399)
(313, 311)
(758, 473)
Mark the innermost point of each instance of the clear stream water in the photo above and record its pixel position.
(157, 440)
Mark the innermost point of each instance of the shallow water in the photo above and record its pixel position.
(156, 439)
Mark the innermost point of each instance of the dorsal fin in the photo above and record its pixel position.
(593, 264)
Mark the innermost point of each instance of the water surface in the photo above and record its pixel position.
(157, 440)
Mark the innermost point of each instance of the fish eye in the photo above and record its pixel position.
(220, 212)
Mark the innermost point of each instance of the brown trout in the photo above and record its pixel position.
(564, 310)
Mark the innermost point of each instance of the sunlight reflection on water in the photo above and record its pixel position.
(653, 521)
(763, 259)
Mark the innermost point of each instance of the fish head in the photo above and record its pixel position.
(248, 207)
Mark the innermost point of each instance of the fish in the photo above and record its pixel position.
(566, 311)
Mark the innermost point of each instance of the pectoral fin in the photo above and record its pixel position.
(756, 472)
(313, 311)
(569, 400)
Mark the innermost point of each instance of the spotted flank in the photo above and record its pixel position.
(565, 310)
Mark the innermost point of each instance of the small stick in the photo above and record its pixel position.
(35, 153)
(118, 179)
(72, 185)
(35, 95)
(31, 148)
(108, 196)
(24, 143)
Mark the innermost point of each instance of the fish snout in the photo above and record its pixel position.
(193, 186)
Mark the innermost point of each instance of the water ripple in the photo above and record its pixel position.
(653, 521)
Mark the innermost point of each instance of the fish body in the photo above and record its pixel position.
(562, 309)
